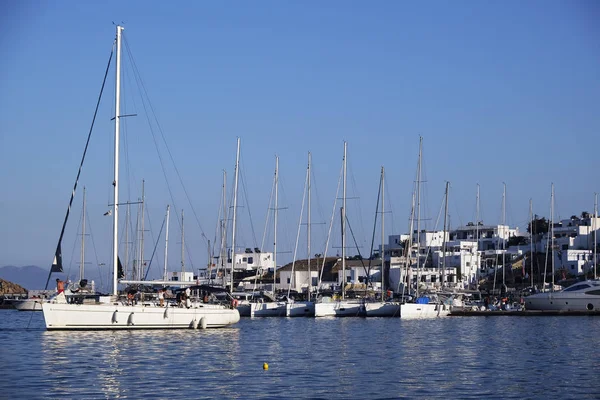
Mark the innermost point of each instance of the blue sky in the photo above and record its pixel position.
(500, 91)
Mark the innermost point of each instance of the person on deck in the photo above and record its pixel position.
(130, 299)
(60, 286)
(161, 297)
(188, 301)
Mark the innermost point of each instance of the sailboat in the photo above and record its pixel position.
(382, 308)
(110, 312)
(343, 307)
(424, 306)
(274, 308)
(304, 308)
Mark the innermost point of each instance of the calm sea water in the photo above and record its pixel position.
(452, 358)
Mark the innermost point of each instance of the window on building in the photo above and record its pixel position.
(288, 280)
(244, 259)
(250, 260)
(468, 263)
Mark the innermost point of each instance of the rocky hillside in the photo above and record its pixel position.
(7, 287)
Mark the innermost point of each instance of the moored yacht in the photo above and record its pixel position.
(268, 309)
(382, 309)
(110, 312)
(299, 308)
(31, 304)
(582, 296)
(424, 308)
(328, 307)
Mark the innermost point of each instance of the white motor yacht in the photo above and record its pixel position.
(581, 296)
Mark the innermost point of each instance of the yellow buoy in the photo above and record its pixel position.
(265, 366)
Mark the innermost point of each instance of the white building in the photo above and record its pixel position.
(252, 259)
(573, 244)
(298, 279)
(491, 237)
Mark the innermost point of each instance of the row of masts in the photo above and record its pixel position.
(140, 265)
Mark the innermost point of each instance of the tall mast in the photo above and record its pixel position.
(136, 260)
(595, 231)
(308, 230)
(141, 266)
(382, 230)
(419, 215)
(182, 246)
(444, 239)
(223, 255)
(531, 237)
(210, 260)
(408, 247)
(82, 268)
(233, 227)
(116, 165)
(477, 237)
(166, 242)
(125, 267)
(275, 223)
(504, 233)
(344, 228)
(552, 233)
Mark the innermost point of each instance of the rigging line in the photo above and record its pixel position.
(335, 198)
(154, 251)
(143, 86)
(94, 248)
(315, 189)
(220, 218)
(267, 220)
(187, 250)
(244, 188)
(147, 209)
(58, 254)
(268, 215)
(374, 228)
(286, 228)
(217, 228)
(357, 204)
(356, 244)
(298, 236)
(140, 84)
(389, 207)
(74, 246)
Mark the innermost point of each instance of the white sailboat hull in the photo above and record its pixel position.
(275, 309)
(341, 308)
(382, 309)
(300, 309)
(28, 304)
(60, 316)
(423, 311)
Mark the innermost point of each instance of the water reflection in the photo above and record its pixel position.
(499, 357)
